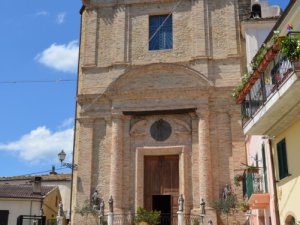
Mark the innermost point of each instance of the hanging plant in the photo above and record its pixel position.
(237, 179)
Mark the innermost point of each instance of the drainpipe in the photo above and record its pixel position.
(30, 208)
(274, 185)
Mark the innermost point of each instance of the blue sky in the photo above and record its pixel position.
(38, 42)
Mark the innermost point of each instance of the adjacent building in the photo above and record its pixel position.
(271, 109)
(259, 191)
(155, 118)
(28, 204)
(62, 181)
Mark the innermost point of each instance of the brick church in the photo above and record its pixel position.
(155, 116)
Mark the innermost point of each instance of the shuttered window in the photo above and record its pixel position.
(160, 32)
(282, 159)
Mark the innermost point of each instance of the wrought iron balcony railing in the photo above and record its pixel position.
(268, 83)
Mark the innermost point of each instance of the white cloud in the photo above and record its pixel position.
(60, 18)
(41, 145)
(42, 13)
(67, 123)
(60, 57)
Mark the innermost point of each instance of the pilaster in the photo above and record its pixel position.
(205, 172)
(91, 24)
(116, 171)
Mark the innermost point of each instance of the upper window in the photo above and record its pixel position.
(160, 32)
(282, 159)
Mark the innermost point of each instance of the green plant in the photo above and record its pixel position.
(244, 206)
(150, 217)
(196, 222)
(86, 209)
(236, 179)
(258, 58)
(290, 47)
(236, 91)
(225, 206)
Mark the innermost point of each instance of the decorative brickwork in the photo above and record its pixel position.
(124, 88)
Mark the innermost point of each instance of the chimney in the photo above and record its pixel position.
(53, 171)
(37, 185)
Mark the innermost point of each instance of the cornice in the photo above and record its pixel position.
(113, 3)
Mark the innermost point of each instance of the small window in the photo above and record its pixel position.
(160, 32)
(282, 159)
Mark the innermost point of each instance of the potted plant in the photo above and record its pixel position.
(252, 169)
(244, 206)
(147, 217)
(290, 47)
(86, 210)
(225, 206)
(237, 179)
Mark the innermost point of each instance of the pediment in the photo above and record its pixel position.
(159, 77)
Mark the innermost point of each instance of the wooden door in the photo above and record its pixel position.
(161, 177)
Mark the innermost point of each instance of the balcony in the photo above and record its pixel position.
(258, 198)
(270, 102)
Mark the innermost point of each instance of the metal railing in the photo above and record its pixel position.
(255, 183)
(165, 219)
(268, 83)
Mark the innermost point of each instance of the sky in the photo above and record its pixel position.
(38, 42)
(39, 56)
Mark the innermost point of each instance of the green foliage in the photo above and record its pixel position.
(196, 222)
(237, 178)
(290, 47)
(255, 63)
(86, 209)
(244, 206)
(150, 217)
(259, 57)
(239, 88)
(225, 206)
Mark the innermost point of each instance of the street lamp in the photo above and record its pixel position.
(62, 157)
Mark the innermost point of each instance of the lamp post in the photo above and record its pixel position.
(62, 157)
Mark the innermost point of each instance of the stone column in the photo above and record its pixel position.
(116, 175)
(205, 172)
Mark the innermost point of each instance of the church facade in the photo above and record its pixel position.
(155, 117)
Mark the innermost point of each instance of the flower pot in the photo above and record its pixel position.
(262, 66)
(245, 209)
(270, 55)
(143, 223)
(252, 169)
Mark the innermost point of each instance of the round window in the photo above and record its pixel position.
(160, 130)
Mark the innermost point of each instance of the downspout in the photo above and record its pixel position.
(30, 212)
(75, 118)
(274, 185)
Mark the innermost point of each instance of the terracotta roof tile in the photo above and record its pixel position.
(47, 177)
(23, 191)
